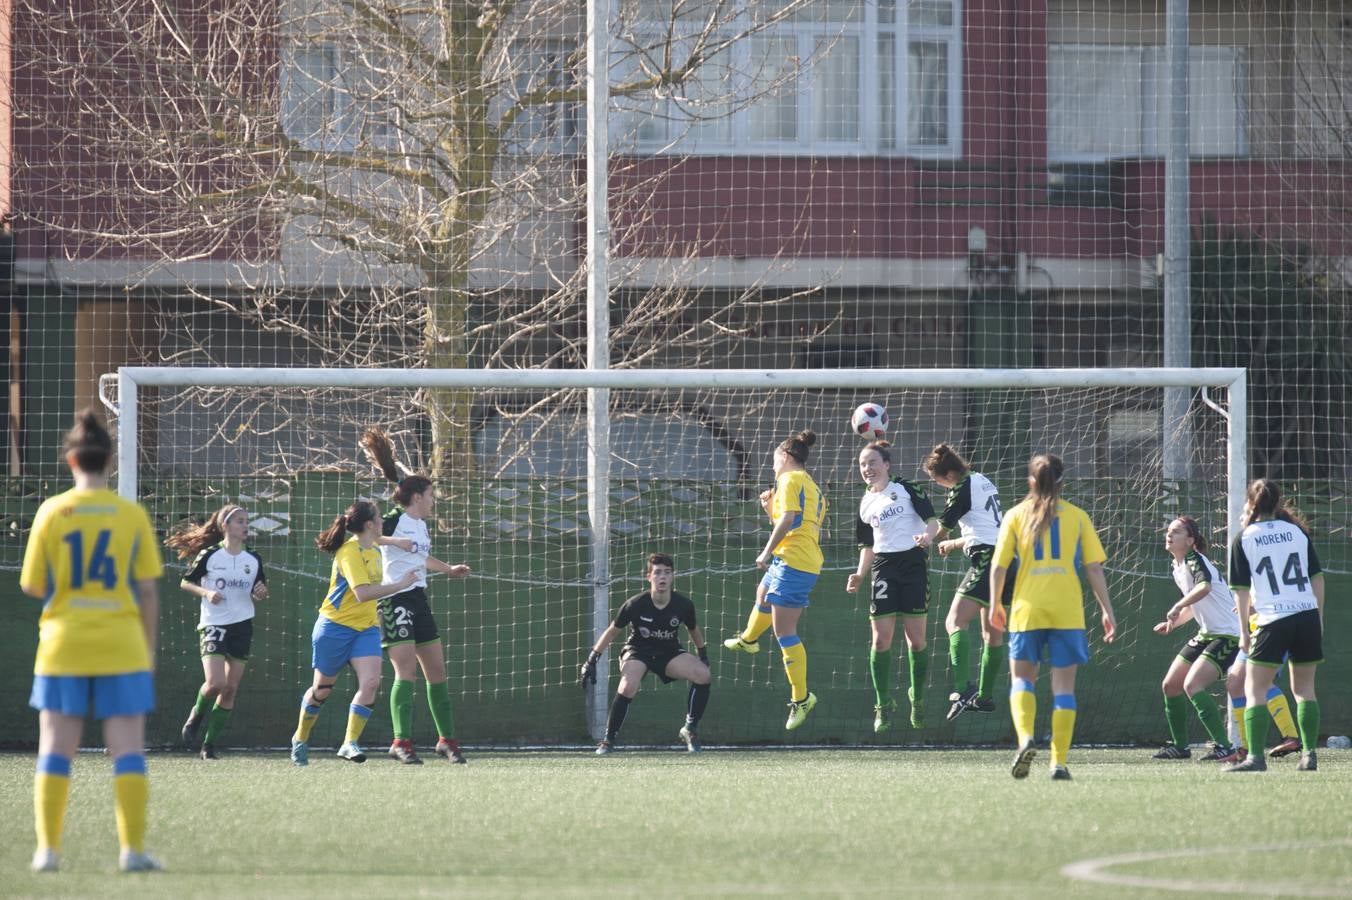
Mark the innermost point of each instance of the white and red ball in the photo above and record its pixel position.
(869, 421)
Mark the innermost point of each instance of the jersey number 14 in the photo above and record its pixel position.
(101, 567)
(1292, 573)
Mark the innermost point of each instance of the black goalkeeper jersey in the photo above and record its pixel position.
(651, 628)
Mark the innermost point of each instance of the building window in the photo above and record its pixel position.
(1105, 102)
(332, 100)
(544, 66)
(838, 77)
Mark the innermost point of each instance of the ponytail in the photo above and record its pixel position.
(356, 517)
(89, 440)
(380, 452)
(1046, 471)
(1195, 532)
(1264, 501)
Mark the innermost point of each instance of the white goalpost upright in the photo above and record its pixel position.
(128, 407)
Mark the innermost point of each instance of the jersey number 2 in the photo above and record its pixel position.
(101, 567)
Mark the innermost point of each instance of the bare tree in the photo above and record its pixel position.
(386, 182)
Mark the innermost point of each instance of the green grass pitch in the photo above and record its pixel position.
(815, 823)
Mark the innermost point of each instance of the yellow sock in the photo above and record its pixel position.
(1063, 726)
(1237, 716)
(757, 624)
(1281, 712)
(795, 665)
(131, 792)
(1022, 708)
(309, 715)
(51, 793)
(357, 715)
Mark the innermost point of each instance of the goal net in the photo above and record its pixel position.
(687, 453)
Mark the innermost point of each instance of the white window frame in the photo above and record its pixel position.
(806, 34)
(344, 131)
(1152, 121)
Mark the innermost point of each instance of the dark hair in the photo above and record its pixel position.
(88, 439)
(1264, 501)
(799, 445)
(943, 461)
(1046, 470)
(881, 448)
(191, 539)
(1195, 532)
(661, 559)
(381, 453)
(356, 517)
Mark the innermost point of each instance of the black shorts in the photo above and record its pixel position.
(233, 640)
(900, 585)
(407, 618)
(655, 658)
(1296, 638)
(1220, 649)
(976, 584)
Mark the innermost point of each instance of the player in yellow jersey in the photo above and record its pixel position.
(791, 560)
(346, 631)
(1052, 540)
(94, 560)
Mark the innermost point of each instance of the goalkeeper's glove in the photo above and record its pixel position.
(587, 676)
(703, 654)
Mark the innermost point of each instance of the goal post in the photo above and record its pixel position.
(821, 398)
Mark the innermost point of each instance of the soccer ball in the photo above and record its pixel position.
(869, 421)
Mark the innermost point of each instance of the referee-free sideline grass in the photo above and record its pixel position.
(725, 822)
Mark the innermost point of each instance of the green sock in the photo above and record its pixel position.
(216, 724)
(1256, 721)
(401, 709)
(918, 662)
(992, 661)
(1307, 720)
(959, 659)
(202, 706)
(439, 701)
(1210, 714)
(880, 669)
(1176, 714)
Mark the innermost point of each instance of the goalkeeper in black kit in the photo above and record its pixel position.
(653, 619)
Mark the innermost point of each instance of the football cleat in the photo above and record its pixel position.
(190, 727)
(798, 711)
(917, 710)
(1060, 773)
(1218, 752)
(736, 643)
(1172, 751)
(1255, 763)
(1023, 759)
(131, 861)
(1285, 748)
(960, 702)
(45, 860)
(450, 750)
(1236, 755)
(982, 704)
(605, 748)
(691, 738)
(403, 751)
(1308, 762)
(351, 752)
(882, 716)
(208, 752)
(300, 752)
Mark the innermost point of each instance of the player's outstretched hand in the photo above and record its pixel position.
(459, 571)
(587, 677)
(1162, 628)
